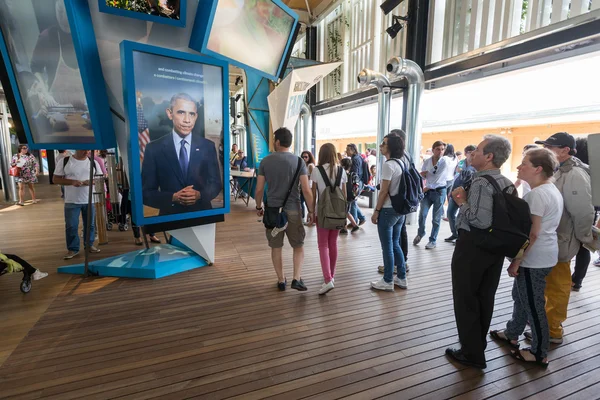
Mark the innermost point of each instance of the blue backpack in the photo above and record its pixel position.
(410, 190)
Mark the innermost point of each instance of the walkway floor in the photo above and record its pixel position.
(226, 332)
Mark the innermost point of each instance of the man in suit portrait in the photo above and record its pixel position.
(180, 171)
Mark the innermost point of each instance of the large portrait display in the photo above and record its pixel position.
(176, 104)
(249, 33)
(172, 12)
(43, 65)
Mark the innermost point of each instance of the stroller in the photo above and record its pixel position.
(10, 263)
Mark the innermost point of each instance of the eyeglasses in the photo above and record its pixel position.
(435, 167)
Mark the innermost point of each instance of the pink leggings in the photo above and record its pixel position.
(327, 239)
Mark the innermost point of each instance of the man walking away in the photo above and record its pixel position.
(277, 170)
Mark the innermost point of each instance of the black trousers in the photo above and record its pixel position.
(28, 269)
(475, 278)
(404, 240)
(582, 261)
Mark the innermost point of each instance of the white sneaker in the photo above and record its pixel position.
(326, 287)
(94, 249)
(383, 285)
(401, 283)
(37, 275)
(430, 246)
(417, 240)
(70, 254)
(597, 262)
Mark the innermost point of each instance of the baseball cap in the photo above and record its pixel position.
(560, 139)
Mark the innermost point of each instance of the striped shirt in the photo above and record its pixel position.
(478, 210)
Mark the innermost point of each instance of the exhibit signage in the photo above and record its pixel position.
(287, 98)
(171, 12)
(53, 67)
(176, 104)
(252, 34)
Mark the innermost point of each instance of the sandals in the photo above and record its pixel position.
(496, 336)
(516, 354)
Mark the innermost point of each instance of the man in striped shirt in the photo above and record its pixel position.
(475, 271)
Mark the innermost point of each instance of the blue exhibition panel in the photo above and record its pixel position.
(179, 22)
(152, 78)
(256, 35)
(156, 262)
(55, 74)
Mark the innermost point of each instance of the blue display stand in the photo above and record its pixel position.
(156, 262)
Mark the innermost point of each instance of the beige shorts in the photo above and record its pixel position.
(294, 232)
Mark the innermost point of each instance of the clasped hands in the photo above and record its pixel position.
(459, 195)
(187, 196)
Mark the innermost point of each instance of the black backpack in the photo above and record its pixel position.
(511, 223)
(410, 190)
(365, 174)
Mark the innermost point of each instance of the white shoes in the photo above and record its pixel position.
(401, 283)
(326, 287)
(94, 249)
(37, 275)
(430, 246)
(383, 285)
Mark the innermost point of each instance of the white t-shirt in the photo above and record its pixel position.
(525, 188)
(391, 171)
(80, 171)
(371, 160)
(318, 179)
(451, 164)
(546, 202)
(436, 175)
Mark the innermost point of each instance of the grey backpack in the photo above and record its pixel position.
(331, 208)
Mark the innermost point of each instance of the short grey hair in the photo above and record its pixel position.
(182, 96)
(498, 146)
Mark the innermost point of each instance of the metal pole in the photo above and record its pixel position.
(8, 182)
(383, 128)
(86, 233)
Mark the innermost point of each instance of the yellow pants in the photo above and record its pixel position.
(558, 290)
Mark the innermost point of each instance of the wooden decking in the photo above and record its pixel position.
(226, 332)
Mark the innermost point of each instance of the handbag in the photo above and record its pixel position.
(14, 171)
(275, 217)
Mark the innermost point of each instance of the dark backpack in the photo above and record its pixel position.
(332, 202)
(511, 223)
(410, 190)
(365, 173)
(353, 186)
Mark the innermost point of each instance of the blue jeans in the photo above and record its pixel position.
(452, 211)
(435, 198)
(72, 212)
(355, 211)
(389, 226)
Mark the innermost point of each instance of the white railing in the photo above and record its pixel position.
(461, 26)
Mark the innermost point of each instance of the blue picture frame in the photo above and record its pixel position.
(203, 23)
(128, 49)
(88, 59)
(180, 23)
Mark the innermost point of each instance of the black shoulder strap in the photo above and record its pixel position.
(65, 162)
(492, 182)
(324, 176)
(300, 161)
(338, 178)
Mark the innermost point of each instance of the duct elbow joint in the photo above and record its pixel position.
(396, 66)
(369, 77)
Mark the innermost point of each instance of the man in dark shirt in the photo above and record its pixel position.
(463, 180)
(357, 168)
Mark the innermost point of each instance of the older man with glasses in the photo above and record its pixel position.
(434, 174)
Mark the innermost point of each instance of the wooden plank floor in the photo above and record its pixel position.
(226, 332)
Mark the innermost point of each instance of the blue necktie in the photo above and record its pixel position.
(183, 158)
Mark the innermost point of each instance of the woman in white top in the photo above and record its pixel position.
(389, 222)
(525, 188)
(327, 238)
(530, 271)
(451, 164)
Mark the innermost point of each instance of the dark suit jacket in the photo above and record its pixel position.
(162, 176)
